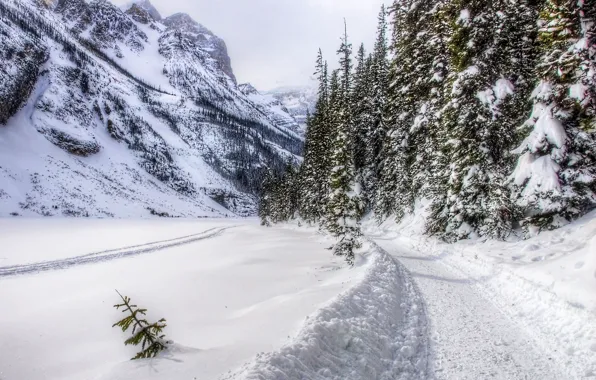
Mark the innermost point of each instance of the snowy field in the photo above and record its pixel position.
(229, 290)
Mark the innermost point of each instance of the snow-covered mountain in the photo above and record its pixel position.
(274, 108)
(119, 112)
(298, 101)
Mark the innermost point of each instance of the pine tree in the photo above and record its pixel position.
(437, 124)
(555, 178)
(313, 191)
(149, 336)
(392, 170)
(363, 124)
(416, 75)
(269, 190)
(377, 135)
(474, 134)
(344, 208)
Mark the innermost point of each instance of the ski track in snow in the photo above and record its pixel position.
(111, 254)
(471, 336)
(375, 330)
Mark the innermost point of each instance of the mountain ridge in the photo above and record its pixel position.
(127, 116)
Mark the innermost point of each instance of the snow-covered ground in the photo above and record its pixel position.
(229, 290)
(504, 310)
(241, 302)
(245, 302)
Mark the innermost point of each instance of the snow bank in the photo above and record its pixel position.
(547, 284)
(376, 330)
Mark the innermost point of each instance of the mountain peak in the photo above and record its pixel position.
(180, 19)
(139, 14)
(214, 46)
(146, 6)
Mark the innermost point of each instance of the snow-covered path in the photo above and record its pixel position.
(471, 337)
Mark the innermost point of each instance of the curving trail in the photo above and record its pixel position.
(471, 337)
(375, 330)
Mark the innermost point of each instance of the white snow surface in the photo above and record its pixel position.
(522, 309)
(376, 330)
(245, 302)
(229, 289)
(464, 17)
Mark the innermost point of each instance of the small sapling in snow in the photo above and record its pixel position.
(149, 336)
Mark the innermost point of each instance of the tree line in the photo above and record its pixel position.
(481, 114)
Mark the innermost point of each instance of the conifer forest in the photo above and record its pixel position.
(481, 113)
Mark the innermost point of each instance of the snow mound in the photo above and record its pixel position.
(376, 330)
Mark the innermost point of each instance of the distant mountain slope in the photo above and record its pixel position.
(273, 107)
(298, 101)
(106, 112)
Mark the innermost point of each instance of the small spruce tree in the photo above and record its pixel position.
(149, 336)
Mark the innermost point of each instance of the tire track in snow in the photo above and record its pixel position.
(112, 254)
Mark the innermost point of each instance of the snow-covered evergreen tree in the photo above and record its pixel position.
(313, 190)
(344, 208)
(555, 177)
(416, 76)
(440, 122)
(474, 134)
(379, 80)
(363, 122)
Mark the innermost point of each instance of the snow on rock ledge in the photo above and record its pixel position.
(376, 330)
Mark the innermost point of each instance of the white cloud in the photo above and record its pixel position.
(274, 42)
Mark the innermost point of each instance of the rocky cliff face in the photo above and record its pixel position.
(21, 58)
(182, 24)
(105, 112)
(147, 7)
(140, 14)
(106, 26)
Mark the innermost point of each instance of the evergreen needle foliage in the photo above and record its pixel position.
(149, 336)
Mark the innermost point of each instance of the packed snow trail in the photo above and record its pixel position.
(471, 338)
(111, 254)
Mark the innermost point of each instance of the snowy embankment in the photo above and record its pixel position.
(545, 287)
(376, 330)
(227, 296)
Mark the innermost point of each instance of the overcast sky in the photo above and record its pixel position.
(274, 43)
